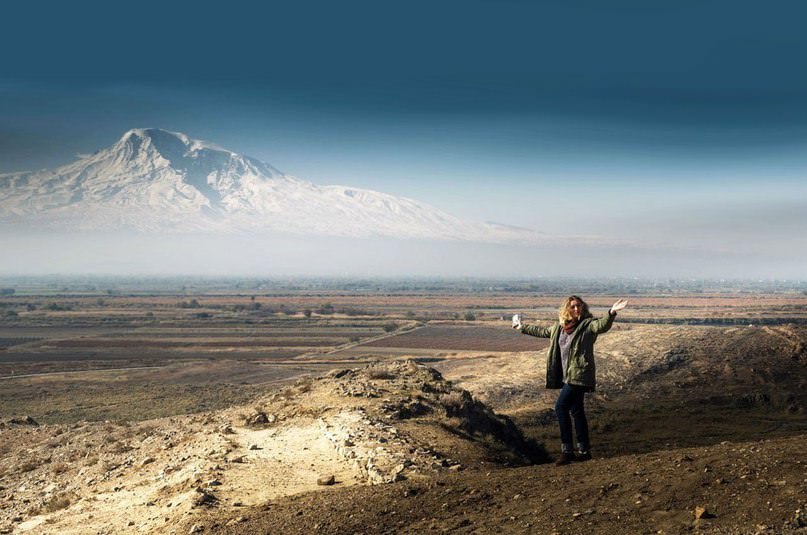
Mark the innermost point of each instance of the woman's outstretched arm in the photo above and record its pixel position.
(602, 325)
(532, 330)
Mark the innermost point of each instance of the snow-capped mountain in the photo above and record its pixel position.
(155, 180)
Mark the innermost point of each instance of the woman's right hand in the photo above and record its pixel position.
(619, 305)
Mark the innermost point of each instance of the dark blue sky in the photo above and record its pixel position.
(463, 104)
(703, 74)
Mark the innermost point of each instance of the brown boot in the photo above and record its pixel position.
(565, 458)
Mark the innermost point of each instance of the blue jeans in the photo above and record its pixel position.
(570, 401)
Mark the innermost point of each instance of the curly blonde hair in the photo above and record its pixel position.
(565, 312)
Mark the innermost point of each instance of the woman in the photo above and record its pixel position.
(570, 367)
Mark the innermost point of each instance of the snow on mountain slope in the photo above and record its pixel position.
(153, 180)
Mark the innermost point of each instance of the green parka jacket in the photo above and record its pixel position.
(581, 370)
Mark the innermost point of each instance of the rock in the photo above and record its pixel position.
(800, 518)
(196, 528)
(203, 497)
(147, 460)
(226, 429)
(258, 418)
(261, 418)
(236, 520)
(24, 421)
(237, 459)
(326, 480)
(253, 447)
(702, 512)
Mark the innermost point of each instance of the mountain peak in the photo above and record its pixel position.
(154, 133)
(153, 179)
(170, 145)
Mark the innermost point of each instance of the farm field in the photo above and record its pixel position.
(468, 338)
(170, 352)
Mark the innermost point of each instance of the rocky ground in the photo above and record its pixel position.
(697, 429)
(756, 487)
(380, 424)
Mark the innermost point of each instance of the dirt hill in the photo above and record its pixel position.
(695, 429)
(379, 424)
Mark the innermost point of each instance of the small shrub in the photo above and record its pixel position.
(56, 503)
(28, 466)
(469, 316)
(56, 307)
(108, 466)
(59, 468)
(303, 386)
(453, 402)
(381, 374)
(326, 308)
(390, 327)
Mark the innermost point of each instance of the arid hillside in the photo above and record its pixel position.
(199, 419)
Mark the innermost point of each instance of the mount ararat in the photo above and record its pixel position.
(154, 181)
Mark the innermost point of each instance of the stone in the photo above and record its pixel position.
(258, 418)
(253, 447)
(326, 480)
(196, 528)
(24, 421)
(701, 512)
(203, 497)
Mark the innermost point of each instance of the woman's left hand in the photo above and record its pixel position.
(619, 305)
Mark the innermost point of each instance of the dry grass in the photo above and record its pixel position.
(59, 468)
(28, 466)
(55, 503)
(380, 374)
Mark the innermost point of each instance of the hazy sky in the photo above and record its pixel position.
(669, 124)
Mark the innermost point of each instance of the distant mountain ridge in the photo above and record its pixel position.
(153, 180)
